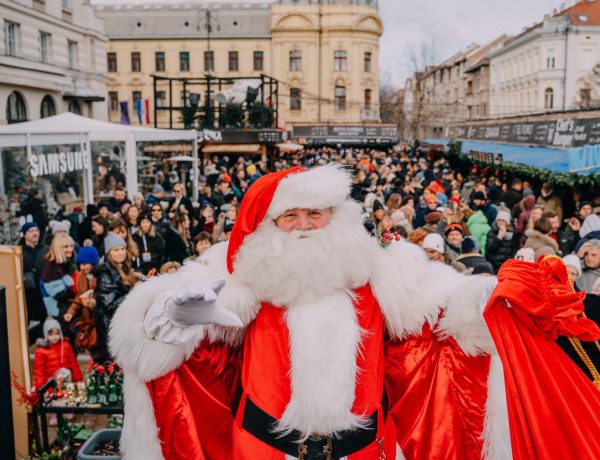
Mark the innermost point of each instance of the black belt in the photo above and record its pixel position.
(340, 444)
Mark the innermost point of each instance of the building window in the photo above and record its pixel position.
(550, 59)
(11, 38)
(340, 98)
(15, 108)
(209, 61)
(161, 99)
(295, 61)
(159, 61)
(339, 61)
(184, 98)
(367, 99)
(111, 60)
(47, 109)
(73, 54)
(136, 62)
(45, 47)
(74, 107)
(184, 61)
(469, 87)
(258, 61)
(113, 101)
(66, 4)
(234, 63)
(549, 98)
(295, 99)
(368, 61)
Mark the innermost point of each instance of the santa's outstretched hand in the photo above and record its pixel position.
(174, 316)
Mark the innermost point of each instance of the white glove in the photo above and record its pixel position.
(199, 305)
(174, 316)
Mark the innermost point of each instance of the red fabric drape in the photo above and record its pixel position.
(553, 408)
(192, 405)
(437, 397)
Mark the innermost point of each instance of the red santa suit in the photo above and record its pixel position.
(310, 359)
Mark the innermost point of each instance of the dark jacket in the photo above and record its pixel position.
(33, 264)
(498, 251)
(471, 259)
(110, 293)
(511, 197)
(155, 245)
(185, 201)
(175, 248)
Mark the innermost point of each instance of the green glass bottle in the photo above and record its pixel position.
(102, 391)
(113, 396)
(92, 389)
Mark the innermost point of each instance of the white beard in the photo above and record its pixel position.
(284, 268)
(312, 275)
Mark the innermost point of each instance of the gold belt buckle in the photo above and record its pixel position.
(327, 448)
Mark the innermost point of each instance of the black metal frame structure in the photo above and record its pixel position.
(205, 87)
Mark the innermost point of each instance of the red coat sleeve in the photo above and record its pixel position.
(71, 362)
(39, 368)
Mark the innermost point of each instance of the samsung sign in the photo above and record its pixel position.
(56, 163)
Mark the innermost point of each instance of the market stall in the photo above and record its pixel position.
(72, 160)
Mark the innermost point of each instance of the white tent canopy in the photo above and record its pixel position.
(68, 128)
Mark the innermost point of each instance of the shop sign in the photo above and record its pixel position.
(44, 164)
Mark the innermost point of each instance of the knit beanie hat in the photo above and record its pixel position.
(28, 226)
(469, 244)
(87, 255)
(505, 216)
(113, 241)
(573, 261)
(50, 324)
(59, 226)
(434, 241)
(157, 188)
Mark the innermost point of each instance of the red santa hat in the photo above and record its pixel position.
(273, 194)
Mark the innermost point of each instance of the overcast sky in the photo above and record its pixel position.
(448, 25)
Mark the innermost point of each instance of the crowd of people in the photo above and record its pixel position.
(79, 267)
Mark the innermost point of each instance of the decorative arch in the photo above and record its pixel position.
(370, 22)
(294, 21)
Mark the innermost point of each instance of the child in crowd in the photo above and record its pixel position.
(80, 314)
(53, 353)
(169, 267)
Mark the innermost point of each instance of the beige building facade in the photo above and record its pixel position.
(324, 55)
(52, 60)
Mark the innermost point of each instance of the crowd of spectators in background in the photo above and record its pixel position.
(79, 267)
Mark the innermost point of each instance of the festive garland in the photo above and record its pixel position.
(521, 170)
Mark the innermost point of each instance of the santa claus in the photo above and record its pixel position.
(302, 301)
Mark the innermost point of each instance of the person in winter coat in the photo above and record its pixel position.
(177, 239)
(481, 203)
(99, 232)
(58, 275)
(120, 228)
(590, 230)
(550, 200)
(501, 242)
(513, 195)
(539, 239)
(84, 232)
(114, 279)
(80, 314)
(526, 206)
(479, 228)
(179, 201)
(590, 253)
(52, 354)
(150, 245)
(33, 263)
(470, 255)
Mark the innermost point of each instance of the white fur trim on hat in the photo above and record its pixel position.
(318, 188)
